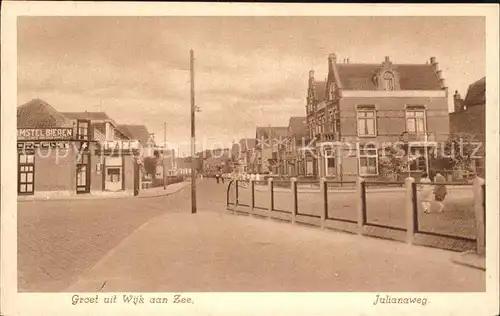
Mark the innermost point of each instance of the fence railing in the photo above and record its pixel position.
(364, 207)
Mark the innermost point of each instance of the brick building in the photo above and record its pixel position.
(269, 148)
(362, 106)
(295, 156)
(469, 118)
(73, 153)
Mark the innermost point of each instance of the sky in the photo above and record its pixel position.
(249, 71)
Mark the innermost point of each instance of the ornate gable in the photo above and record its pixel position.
(386, 77)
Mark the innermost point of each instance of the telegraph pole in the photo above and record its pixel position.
(163, 155)
(193, 143)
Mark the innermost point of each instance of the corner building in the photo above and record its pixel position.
(362, 106)
(65, 154)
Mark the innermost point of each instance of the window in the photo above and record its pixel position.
(388, 81)
(113, 174)
(416, 159)
(367, 122)
(26, 173)
(415, 120)
(368, 160)
(82, 127)
(330, 165)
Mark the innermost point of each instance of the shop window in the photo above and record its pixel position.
(366, 118)
(368, 160)
(415, 120)
(113, 175)
(26, 173)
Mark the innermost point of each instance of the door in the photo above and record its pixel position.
(83, 168)
(82, 178)
(26, 173)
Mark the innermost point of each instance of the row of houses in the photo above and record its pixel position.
(68, 153)
(361, 115)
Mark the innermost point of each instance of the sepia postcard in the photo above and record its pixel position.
(249, 159)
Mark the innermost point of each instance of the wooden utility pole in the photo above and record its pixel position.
(193, 143)
(163, 154)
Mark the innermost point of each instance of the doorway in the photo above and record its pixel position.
(83, 174)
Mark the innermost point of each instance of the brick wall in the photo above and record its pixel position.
(470, 121)
(391, 120)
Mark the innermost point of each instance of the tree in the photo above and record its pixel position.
(460, 151)
(393, 163)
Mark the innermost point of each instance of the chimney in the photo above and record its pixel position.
(332, 59)
(387, 60)
(458, 102)
(347, 60)
(442, 83)
(433, 60)
(311, 74)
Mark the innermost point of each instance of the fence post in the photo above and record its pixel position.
(361, 203)
(293, 187)
(271, 195)
(236, 191)
(410, 213)
(479, 212)
(324, 198)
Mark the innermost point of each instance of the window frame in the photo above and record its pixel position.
(79, 135)
(368, 156)
(366, 109)
(415, 110)
(388, 77)
(30, 170)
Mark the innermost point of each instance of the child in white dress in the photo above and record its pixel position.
(426, 192)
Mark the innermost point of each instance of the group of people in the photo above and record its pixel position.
(432, 193)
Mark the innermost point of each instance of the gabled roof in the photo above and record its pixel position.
(476, 94)
(39, 114)
(93, 116)
(320, 87)
(275, 132)
(298, 126)
(244, 145)
(411, 77)
(135, 132)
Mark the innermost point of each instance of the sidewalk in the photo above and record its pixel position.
(65, 195)
(219, 252)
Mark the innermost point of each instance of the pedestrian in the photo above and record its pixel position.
(257, 177)
(425, 193)
(222, 177)
(217, 177)
(440, 191)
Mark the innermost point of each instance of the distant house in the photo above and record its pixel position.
(469, 118)
(243, 154)
(294, 158)
(269, 147)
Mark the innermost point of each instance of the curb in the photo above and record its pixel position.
(97, 197)
(163, 194)
(470, 259)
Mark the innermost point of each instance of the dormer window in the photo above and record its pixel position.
(388, 81)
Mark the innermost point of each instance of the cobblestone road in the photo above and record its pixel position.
(59, 240)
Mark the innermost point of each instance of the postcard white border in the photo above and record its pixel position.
(239, 303)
